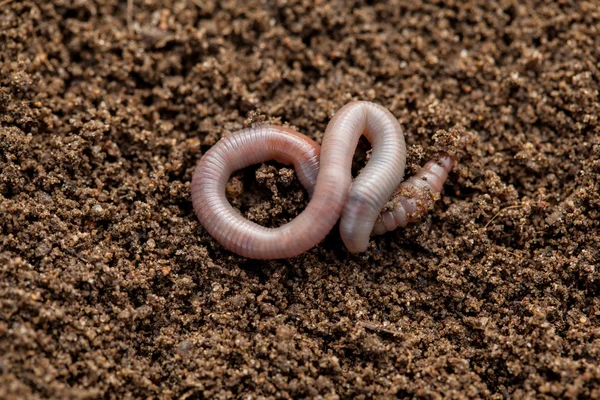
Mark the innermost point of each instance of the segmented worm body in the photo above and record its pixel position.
(416, 195)
(325, 172)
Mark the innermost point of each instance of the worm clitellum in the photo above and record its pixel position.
(328, 181)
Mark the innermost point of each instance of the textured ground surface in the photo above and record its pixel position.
(109, 288)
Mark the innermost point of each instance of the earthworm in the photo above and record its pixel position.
(326, 174)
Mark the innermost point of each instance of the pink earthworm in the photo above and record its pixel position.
(326, 174)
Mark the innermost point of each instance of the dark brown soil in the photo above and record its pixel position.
(109, 288)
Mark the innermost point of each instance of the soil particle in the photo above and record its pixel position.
(109, 287)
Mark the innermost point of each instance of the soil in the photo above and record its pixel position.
(110, 288)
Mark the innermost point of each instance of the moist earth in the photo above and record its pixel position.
(110, 288)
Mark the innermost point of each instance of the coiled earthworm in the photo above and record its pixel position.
(325, 172)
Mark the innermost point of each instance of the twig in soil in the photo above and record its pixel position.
(540, 203)
(512, 253)
(379, 329)
(5, 2)
(500, 212)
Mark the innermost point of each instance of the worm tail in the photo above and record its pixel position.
(416, 196)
